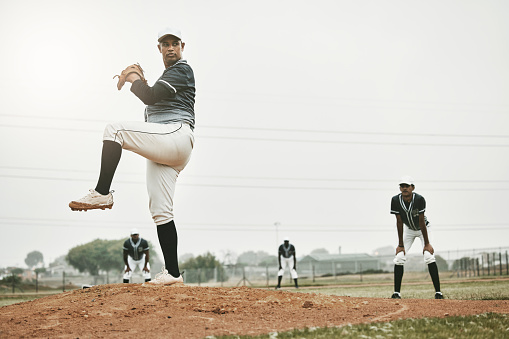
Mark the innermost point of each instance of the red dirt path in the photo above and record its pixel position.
(117, 310)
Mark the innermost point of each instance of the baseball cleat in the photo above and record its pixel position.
(92, 201)
(164, 278)
(439, 295)
(396, 295)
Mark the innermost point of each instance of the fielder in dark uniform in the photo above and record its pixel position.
(409, 208)
(136, 254)
(287, 258)
(165, 139)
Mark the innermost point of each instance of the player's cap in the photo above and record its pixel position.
(134, 231)
(406, 180)
(169, 31)
(287, 239)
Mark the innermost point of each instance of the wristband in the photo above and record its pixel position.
(401, 245)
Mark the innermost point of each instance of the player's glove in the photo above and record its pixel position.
(136, 68)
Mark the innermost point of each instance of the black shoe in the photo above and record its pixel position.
(278, 287)
(396, 296)
(439, 295)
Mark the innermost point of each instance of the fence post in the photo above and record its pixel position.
(360, 272)
(36, 281)
(63, 281)
(488, 262)
(500, 261)
(506, 264)
(199, 276)
(493, 263)
(13, 283)
(313, 267)
(477, 260)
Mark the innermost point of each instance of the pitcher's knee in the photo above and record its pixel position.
(162, 218)
(112, 133)
(429, 258)
(399, 259)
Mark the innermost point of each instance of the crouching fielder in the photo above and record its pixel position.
(409, 209)
(287, 258)
(136, 255)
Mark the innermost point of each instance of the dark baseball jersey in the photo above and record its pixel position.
(409, 212)
(178, 79)
(136, 250)
(286, 252)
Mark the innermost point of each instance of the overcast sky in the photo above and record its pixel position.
(307, 114)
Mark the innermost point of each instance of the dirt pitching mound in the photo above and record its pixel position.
(118, 310)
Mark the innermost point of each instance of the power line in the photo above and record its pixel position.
(243, 226)
(230, 177)
(255, 186)
(270, 129)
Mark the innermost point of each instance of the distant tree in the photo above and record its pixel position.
(248, 258)
(202, 267)
(185, 257)
(34, 258)
(84, 257)
(270, 260)
(320, 251)
(17, 271)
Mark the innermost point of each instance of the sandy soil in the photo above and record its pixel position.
(115, 310)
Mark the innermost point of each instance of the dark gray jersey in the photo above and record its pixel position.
(409, 213)
(286, 252)
(178, 79)
(136, 250)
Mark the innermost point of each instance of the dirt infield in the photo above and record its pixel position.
(109, 311)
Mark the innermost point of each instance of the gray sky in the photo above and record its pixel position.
(307, 114)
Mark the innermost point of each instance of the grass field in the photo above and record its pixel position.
(485, 326)
(463, 290)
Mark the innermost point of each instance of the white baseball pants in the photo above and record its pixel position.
(287, 262)
(167, 148)
(136, 263)
(408, 239)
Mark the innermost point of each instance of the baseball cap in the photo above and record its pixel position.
(134, 231)
(406, 180)
(169, 31)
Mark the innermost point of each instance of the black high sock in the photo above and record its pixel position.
(111, 153)
(167, 234)
(279, 278)
(296, 285)
(398, 276)
(433, 272)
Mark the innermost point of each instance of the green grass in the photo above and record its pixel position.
(485, 326)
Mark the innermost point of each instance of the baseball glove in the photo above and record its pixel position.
(136, 68)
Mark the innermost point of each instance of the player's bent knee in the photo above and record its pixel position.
(281, 272)
(111, 133)
(400, 259)
(162, 218)
(429, 258)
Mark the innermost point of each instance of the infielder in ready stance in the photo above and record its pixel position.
(136, 255)
(409, 209)
(287, 258)
(165, 139)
